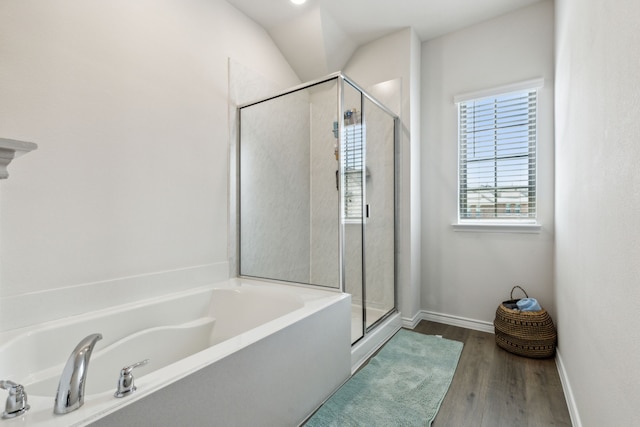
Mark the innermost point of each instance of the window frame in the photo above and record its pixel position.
(505, 224)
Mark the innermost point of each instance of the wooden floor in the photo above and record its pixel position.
(494, 388)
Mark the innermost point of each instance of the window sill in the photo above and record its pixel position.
(501, 227)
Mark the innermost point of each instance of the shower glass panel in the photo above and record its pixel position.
(288, 203)
(352, 166)
(316, 194)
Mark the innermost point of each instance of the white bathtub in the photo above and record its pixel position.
(241, 352)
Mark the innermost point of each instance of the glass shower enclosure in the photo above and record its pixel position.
(317, 199)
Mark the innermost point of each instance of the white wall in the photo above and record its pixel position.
(597, 229)
(467, 274)
(388, 58)
(128, 104)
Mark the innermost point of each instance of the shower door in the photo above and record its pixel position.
(379, 212)
(368, 209)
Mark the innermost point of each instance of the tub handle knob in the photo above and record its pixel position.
(16, 402)
(125, 383)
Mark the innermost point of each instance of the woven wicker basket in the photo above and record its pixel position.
(526, 333)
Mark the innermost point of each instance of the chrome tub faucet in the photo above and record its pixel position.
(126, 385)
(16, 404)
(70, 395)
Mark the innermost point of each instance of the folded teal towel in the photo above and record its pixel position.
(528, 304)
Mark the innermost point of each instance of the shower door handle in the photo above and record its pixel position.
(367, 211)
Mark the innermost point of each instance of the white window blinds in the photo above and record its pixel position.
(352, 165)
(497, 155)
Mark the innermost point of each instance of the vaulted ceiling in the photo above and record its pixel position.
(320, 36)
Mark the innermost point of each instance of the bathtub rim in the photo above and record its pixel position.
(8, 336)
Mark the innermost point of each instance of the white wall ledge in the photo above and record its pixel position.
(9, 150)
(492, 227)
(24, 310)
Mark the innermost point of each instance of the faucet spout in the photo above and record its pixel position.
(70, 395)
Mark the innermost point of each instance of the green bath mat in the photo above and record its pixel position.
(403, 385)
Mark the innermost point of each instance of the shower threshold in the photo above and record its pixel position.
(365, 346)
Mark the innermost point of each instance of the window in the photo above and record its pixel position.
(352, 163)
(497, 154)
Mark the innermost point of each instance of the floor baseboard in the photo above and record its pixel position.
(568, 392)
(448, 319)
(411, 322)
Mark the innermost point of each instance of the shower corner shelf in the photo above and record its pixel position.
(9, 150)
